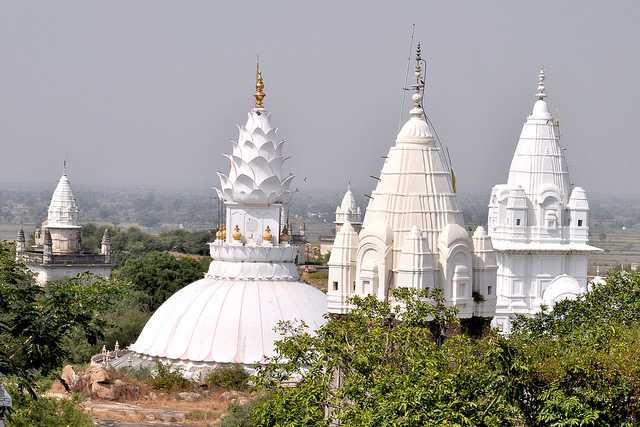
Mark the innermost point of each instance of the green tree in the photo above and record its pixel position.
(158, 275)
(381, 365)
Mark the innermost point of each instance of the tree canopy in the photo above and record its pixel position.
(577, 364)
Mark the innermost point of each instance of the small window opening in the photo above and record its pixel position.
(518, 221)
(579, 223)
(335, 286)
(489, 289)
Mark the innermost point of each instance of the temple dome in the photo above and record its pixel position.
(228, 321)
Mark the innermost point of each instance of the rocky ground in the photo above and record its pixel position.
(113, 399)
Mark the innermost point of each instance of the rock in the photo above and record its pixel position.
(153, 395)
(102, 391)
(69, 376)
(97, 374)
(123, 391)
(189, 396)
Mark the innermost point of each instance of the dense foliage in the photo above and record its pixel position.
(133, 242)
(158, 275)
(578, 364)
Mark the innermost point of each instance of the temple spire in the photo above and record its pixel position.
(259, 86)
(541, 94)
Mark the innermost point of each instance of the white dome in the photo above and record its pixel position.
(562, 287)
(228, 321)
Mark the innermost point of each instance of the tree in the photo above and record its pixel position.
(159, 275)
(383, 365)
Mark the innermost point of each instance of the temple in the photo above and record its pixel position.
(413, 233)
(252, 284)
(538, 222)
(56, 251)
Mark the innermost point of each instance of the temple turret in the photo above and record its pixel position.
(105, 245)
(348, 211)
(20, 244)
(413, 232)
(47, 248)
(537, 221)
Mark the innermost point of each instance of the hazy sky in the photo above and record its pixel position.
(148, 93)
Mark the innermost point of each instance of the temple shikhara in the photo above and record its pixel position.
(252, 284)
(538, 222)
(56, 252)
(413, 233)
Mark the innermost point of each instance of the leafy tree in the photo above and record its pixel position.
(383, 365)
(158, 275)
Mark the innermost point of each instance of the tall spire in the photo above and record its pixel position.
(541, 94)
(259, 86)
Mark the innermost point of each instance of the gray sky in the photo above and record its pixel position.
(148, 93)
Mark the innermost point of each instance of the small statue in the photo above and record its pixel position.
(266, 235)
(284, 236)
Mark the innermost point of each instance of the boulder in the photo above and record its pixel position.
(69, 376)
(97, 374)
(123, 391)
(102, 391)
(189, 396)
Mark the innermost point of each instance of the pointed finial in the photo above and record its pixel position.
(541, 94)
(259, 86)
(418, 87)
(64, 167)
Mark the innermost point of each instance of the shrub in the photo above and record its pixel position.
(233, 376)
(45, 412)
(166, 378)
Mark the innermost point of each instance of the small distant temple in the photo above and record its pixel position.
(56, 252)
(348, 211)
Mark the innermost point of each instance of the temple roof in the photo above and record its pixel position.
(539, 163)
(63, 209)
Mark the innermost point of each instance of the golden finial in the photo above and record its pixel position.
(259, 86)
(219, 233)
(237, 235)
(266, 235)
(224, 232)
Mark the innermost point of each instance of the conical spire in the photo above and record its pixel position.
(21, 235)
(259, 86)
(106, 236)
(63, 209)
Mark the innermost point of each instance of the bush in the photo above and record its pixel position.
(240, 415)
(234, 377)
(45, 412)
(166, 378)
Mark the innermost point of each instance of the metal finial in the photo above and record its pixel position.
(541, 94)
(259, 86)
(418, 73)
(65, 171)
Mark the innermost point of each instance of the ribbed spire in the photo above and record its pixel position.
(106, 237)
(21, 235)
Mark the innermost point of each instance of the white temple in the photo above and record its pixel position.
(252, 284)
(538, 222)
(413, 233)
(57, 251)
